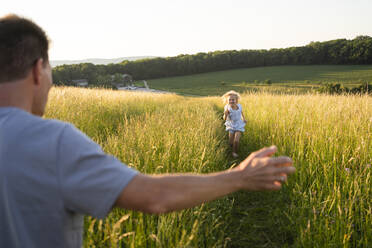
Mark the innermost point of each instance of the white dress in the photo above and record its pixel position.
(234, 120)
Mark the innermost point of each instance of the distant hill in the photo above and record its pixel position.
(275, 79)
(97, 61)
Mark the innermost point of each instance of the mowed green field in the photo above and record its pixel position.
(284, 79)
(327, 203)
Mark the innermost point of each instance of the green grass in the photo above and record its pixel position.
(327, 203)
(155, 134)
(285, 79)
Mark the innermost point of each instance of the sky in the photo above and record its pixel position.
(82, 29)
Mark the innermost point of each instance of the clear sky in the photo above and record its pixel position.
(81, 29)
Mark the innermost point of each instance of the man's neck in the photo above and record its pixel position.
(15, 94)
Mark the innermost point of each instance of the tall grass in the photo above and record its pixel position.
(327, 203)
(154, 134)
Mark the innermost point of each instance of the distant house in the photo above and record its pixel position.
(128, 88)
(126, 80)
(80, 82)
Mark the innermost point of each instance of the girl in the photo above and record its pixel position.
(234, 119)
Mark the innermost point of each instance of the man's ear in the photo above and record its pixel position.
(37, 71)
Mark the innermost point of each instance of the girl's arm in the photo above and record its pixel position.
(243, 118)
(226, 114)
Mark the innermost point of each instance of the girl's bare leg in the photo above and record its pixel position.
(231, 138)
(237, 136)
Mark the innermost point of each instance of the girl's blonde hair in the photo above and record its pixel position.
(230, 93)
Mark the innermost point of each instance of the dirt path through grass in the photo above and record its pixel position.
(256, 217)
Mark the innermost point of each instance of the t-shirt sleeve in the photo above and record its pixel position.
(90, 180)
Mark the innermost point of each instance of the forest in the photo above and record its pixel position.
(334, 52)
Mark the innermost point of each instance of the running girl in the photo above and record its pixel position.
(234, 119)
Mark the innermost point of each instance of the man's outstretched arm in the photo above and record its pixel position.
(164, 193)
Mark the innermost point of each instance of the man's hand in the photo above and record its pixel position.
(260, 171)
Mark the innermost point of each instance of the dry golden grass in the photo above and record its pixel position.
(326, 203)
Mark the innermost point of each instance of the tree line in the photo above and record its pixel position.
(335, 52)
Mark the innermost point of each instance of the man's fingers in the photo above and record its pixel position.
(286, 170)
(281, 178)
(273, 186)
(280, 161)
(264, 152)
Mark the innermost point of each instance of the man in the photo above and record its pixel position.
(51, 174)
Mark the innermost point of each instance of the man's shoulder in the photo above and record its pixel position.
(36, 122)
(62, 133)
(24, 124)
(36, 138)
(54, 129)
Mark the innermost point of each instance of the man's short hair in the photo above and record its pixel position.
(22, 43)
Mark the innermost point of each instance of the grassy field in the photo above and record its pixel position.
(327, 203)
(284, 79)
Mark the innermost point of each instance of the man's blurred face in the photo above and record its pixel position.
(41, 96)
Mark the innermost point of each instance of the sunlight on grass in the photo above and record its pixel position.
(329, 138)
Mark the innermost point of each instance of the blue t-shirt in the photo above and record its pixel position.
(51, 175)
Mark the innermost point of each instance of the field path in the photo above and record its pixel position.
(254, 216)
